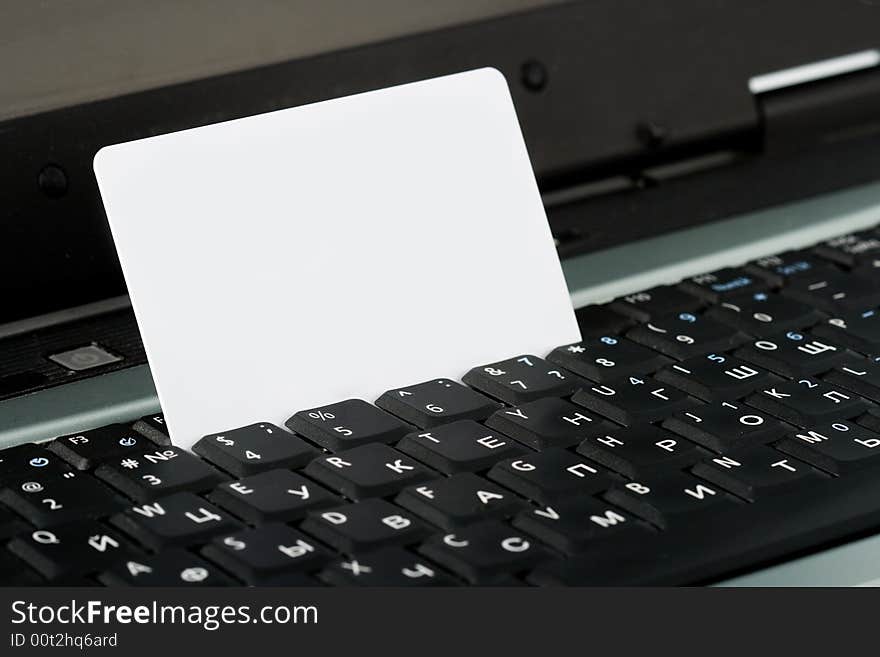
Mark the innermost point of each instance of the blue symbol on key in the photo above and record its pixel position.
(39, 461)
(128, 441)
(688, 317)
(760, 296)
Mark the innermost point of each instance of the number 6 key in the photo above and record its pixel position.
(436, 402)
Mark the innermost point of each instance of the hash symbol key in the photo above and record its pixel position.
(148, 475)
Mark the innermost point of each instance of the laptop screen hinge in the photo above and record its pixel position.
(821, 112)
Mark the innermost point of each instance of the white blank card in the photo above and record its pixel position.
(305, 256)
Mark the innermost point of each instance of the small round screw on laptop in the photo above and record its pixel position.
(533, 75)
(52, 180)
(652, 134)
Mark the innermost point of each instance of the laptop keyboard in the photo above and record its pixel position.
(698, 430)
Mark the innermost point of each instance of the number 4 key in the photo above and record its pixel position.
(255, 448)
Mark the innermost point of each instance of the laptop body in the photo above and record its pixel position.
(726, 147)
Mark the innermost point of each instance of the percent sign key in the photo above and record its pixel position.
(347, 424)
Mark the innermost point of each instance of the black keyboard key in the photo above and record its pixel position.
(792, 354)
(642, 306)
(869, 269)
(789, 266)
(257, 555)
(463, 446)
(55, 499)
(724, 283)
(851, 250)
(347, 424)
(670, 501)
(276, 495)
(460, 500)
(373, 470)
(436, 402)
(10, 524)
(86, 450)
(294, 580)
(178, 520)
(254, 448)
(550, 476)
(29, 458)
(148, 475)
(601, 320)
(725, 426)
(578, 525)
(171, 568)
(834, 292)
(607, 357)
(544, 423)
(837, 447)
(522, 379)
(154, 428)
(14, 572)
(764, 313)
(870, 420)
(858, 375)
(634, 400)
(78, 548)
(755, 473)
(480, 553)
(685, 335)
(715, 377)
(858, 330)
(389, 567)
(640, 450)
(711, 545)
(808, 401)
(365, 526)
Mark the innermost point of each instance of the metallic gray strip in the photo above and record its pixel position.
(853, 564)
(605, 275)
(63, 316)
(115, 397)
